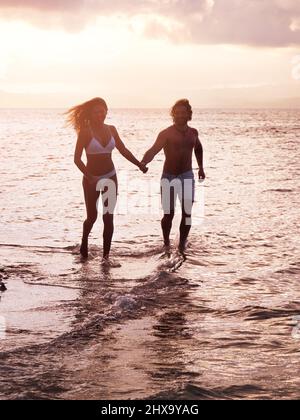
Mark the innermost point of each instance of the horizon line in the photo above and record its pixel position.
(164, 108)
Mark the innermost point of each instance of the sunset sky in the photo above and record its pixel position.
(148, 53)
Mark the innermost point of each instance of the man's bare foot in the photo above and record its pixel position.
(109, 262)
(166, 251)
(182, 249)
(84, 249)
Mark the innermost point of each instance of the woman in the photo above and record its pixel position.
(99, 174)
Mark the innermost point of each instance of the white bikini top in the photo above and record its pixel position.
(95, 147)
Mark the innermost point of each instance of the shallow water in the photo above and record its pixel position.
(222, 324)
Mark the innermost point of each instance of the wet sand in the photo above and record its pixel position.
(94, 333)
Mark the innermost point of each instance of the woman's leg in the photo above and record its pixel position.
(90, 196)
(109, 201)
(108, 231)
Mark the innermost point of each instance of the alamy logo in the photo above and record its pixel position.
(151, 197)
(296, 329)
(2, 328)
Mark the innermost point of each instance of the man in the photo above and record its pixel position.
(178, 141)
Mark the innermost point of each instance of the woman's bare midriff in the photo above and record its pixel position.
(99, 164)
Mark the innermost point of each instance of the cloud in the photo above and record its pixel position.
(251, 22)
(254, 22)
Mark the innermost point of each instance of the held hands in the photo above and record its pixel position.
(143, 167)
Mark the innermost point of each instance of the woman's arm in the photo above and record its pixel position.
(81, 140)
(125, 152)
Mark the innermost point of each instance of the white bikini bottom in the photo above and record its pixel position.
(96, 178)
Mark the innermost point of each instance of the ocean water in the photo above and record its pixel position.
(224, 324)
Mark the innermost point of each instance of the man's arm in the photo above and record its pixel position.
(199, 156)
(155, 149)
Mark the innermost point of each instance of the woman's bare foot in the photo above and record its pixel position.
(2, 287)
(84, 249)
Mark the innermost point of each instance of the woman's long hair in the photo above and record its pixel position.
(79, 116)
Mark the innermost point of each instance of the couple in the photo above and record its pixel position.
(99, 174)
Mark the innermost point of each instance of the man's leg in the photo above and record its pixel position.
(166, 225)
(187, 200)
(185, 225)
(168, 204)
